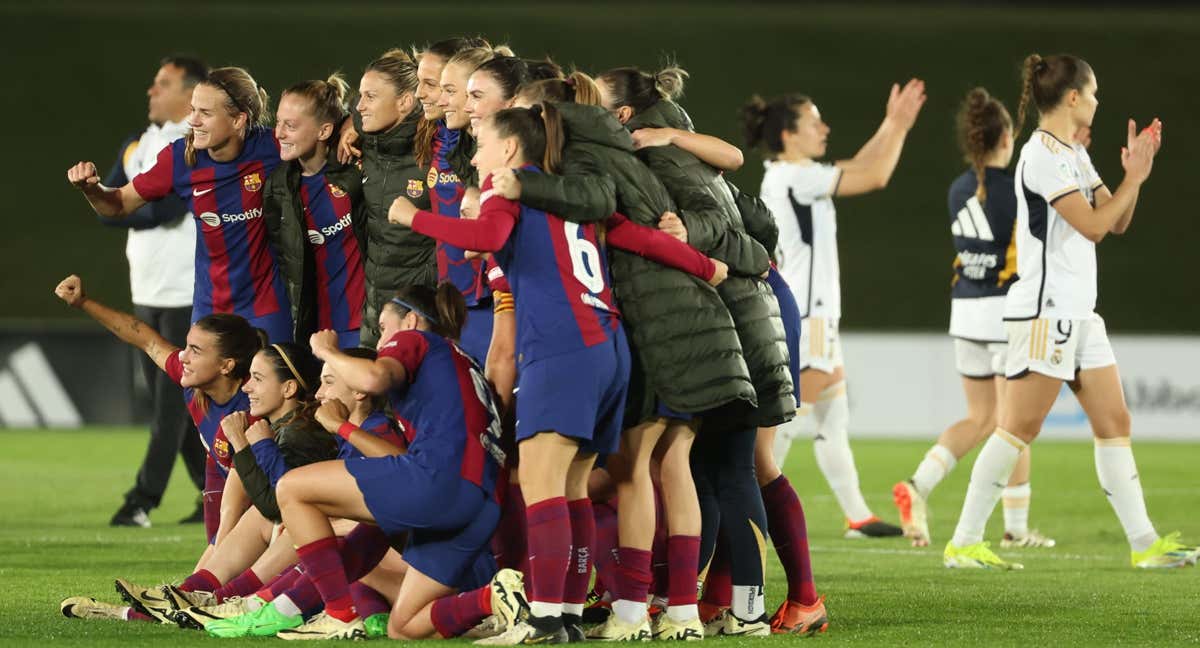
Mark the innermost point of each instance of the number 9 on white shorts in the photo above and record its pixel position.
(1059, 348)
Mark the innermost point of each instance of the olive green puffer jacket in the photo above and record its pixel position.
(288, 231)
(681, 332)
(298, 441)
(710, 211)
(395, 255)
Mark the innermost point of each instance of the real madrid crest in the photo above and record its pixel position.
(1056, 357)
(252, 182)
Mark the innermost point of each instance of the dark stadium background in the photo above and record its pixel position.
(75, 75)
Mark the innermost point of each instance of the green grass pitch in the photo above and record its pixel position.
(57, 490)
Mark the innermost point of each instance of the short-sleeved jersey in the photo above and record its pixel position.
(328, 215)
(377, 424)
(800, 196)
(445, 199)
(235, 266)
(446, 407)
(1055, 263)
(208, 419)
(558, 271)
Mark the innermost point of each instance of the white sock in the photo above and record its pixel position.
(683, 613)
(1119, 478)
(544, 609)
(573, 608)
(125, 613)
(253, 603)
(788, 432)
(1016, 510)
(631, 612)
(993, 467)
(285, 606)
(938, 463)
(748, 602)
(831, 443)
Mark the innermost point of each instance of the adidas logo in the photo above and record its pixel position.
(31, 394)
(1049, 302)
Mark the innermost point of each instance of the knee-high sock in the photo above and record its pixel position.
(938, 463)
(993, 467)
(718, 588)
(201, 581)
(579, 572)
(605, 555)
(831, 443)
(789, 533)
(455, 614)
(632, 585)
(362, 549)
(244, 584)
(788, 432)
(281, 583)
(549, 525)
(1016, 509)
(367, 600)
(683, 556)
(1119, 478)
(323, 565)
(508, 543)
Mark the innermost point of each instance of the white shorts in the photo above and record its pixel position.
(820, 344)
(1058, 348)
(974, 359)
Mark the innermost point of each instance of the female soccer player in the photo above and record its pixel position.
(447, 476)
(983, 210)
(800, 191)
(1054, 334)
(315, 212)
(219, 168)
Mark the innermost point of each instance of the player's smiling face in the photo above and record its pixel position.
(454, 96)
(212, 125)
(810, 136)
(429, 89)
(267, 393)
(491, 151)
(484, 97)
(379, 105)
(297, 129)
(200, 359)
(332, 388)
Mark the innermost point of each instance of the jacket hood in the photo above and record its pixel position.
(664, 114)
(593, 125)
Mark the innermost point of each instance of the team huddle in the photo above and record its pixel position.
(499, 351)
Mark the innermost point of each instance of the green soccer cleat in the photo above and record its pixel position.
(1167, 552)
(266, 621)
(376, 625)
(976, 556)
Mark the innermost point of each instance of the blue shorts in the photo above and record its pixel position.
(477, 333)
(347, 339)
(661, 409)
(450, 519)
(790, 312)
(580, 395)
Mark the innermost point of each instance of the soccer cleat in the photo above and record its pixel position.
(597, 609)
(508, 598)
(86, 607)
(130, 516)
(871, 527)
(1167, 552)
(573, 624)
(324, 626)
(1030, 540)
(665, 628)
(795, 618)
(376, 625)
(198, 617)
(976, 556)
(728, 625)
(713, 622)
(489, 627)
(266, 621)
(914, 518)
(534, 630)
(181, 600)
(147, 600)
(615, 629)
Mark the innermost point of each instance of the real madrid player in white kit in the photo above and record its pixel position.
(1063, 210)
(983, 214)
(799, 190)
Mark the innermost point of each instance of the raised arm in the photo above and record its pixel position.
(581, 191)
(106, 201)
(714, 151)
(128, 328)
(361, 374)
(662, 248)
(1114, 211)
(871, 168)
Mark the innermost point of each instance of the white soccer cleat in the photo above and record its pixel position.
(324, 626)
(1031, 540)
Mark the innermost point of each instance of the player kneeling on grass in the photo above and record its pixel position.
(1054, 335)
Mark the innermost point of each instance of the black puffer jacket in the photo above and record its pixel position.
(710, 211)
(395, 255)
(299, 441)
(288, 230)
(682, 334)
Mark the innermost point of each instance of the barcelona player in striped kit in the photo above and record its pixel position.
(219, 169)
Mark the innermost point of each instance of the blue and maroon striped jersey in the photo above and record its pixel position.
(377, 424)
(235, 266)
(446, 408)
(340, 288)
(445, 198)
(208, 420)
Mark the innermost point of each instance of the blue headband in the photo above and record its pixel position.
(400, 302)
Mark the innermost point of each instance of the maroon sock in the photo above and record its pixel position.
(718, 584)
(455, 614)
(201, 581)
(508, 543)
(659, 563)
(684, 557)
(583, 536)
(789, 533)
(244, 584)
(362, 549)
(549, 548)
(281, 583)
(604, 558)
(633, 575)
(367, 600)
(305, 595)
(324, 568)
(134, 615)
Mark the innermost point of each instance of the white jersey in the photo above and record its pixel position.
(161, 259)
(1056, 265)
(800, 197)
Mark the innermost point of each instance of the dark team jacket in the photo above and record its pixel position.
(299, 440)
(707, 205)
(692, 363)
(284, 212)
(986, 261)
